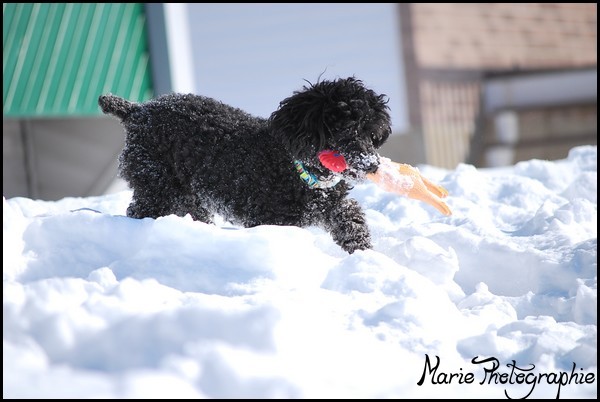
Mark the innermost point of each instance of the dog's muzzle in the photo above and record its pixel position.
(367, 163)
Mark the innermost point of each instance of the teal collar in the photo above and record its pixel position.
(312, 181)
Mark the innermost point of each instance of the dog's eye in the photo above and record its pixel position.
(342, 108)
(357, 103)
(380, 135)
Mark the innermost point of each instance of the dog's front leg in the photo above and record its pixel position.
(347, 224)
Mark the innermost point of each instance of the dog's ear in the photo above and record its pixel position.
(299, 123)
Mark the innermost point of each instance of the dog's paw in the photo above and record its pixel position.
(351, 246)
(357, 240)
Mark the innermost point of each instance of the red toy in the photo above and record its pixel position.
(333, 161)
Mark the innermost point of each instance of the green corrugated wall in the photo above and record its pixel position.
(59, 57)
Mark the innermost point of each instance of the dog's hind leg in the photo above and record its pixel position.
(156, 189)
(152, 202)
(146, 204)
(191, 204)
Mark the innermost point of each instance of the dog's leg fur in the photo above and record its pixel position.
(155, 191)
(142, 206)
(347, 224)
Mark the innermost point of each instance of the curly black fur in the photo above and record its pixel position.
(192, 154)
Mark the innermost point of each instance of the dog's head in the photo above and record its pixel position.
(340, 115)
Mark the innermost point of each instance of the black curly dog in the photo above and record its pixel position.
(192, 154)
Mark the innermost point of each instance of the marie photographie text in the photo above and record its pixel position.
(524, 376)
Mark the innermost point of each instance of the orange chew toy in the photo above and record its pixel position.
(403, 179)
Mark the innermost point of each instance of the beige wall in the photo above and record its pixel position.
(505, 35)
(454, 46)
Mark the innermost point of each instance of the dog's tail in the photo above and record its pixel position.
(119, 107)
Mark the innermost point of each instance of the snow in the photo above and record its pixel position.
(98, 305)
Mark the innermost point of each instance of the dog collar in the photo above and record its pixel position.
(311, 180)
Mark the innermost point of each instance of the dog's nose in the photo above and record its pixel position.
(372, 168)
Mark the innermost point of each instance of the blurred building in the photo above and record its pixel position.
(483, 83)
(495, 83)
